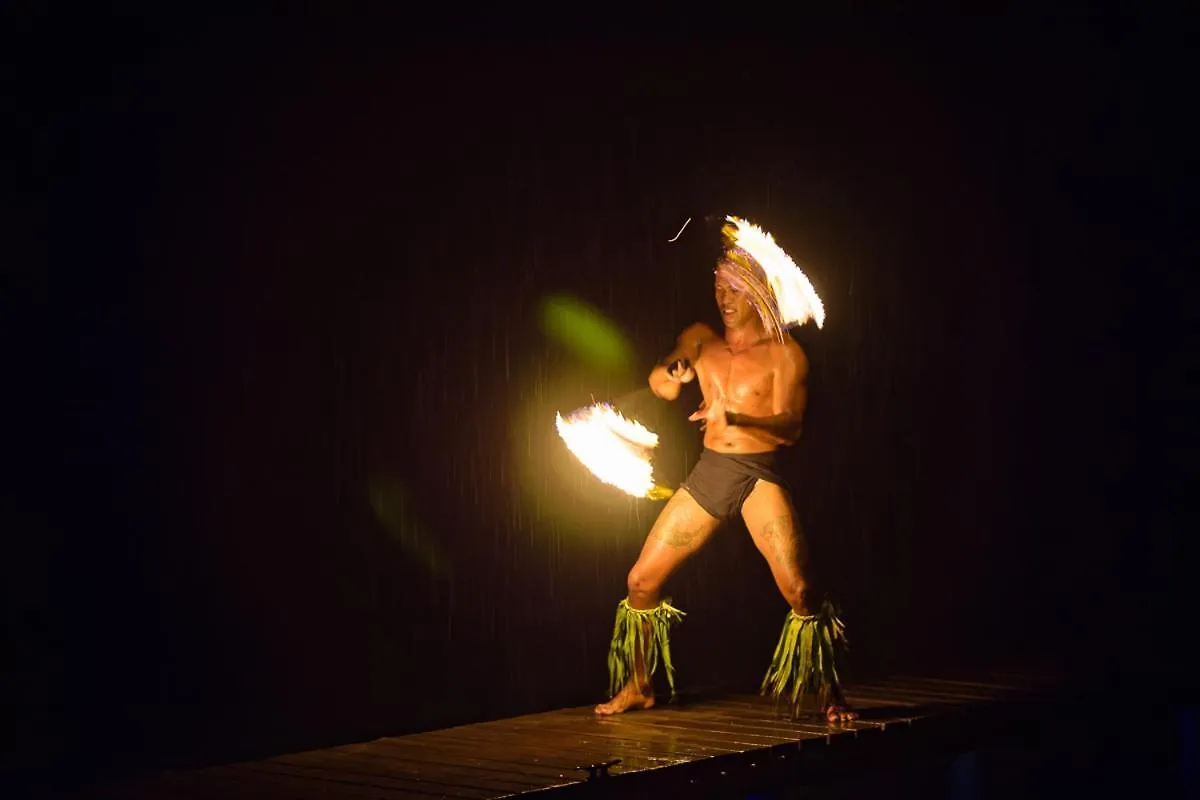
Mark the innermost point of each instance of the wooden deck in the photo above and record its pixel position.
(694, 747)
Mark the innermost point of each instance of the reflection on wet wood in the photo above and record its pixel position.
(554, 750)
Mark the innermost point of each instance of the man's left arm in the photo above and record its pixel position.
(787, 400)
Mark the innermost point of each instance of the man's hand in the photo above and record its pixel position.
(681, 371)
(669, 375)
(711, 416)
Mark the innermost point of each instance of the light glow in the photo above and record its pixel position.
(617, 450)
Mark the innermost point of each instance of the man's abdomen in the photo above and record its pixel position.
(739, 442)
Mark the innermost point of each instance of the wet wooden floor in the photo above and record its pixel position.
(570, 750)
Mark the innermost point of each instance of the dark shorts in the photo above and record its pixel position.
(721, 482)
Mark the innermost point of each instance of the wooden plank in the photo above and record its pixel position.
(558, 761)
(798, 730)
(891, 693)
(633, 757)
(701, 729)
(564, 762)
(473, 755)
(383, 765)
(572, 747)
(596, 743)
(660, 746)
(622, 732)
(814, 722)
(735, 713)
(753, 716)
(697, 725)
(639, 725)
(614, 730)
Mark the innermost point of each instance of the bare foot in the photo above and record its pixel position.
(630, 698)
(839, 712)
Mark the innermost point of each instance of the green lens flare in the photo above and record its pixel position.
(587, 333)
(393, 507)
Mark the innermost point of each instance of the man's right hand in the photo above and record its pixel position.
(681, 371)
(668, 376)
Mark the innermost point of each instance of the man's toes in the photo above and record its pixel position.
(837, 714)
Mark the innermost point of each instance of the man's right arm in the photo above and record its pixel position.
(687, 348)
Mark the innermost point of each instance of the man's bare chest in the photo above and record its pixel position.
(743, 378)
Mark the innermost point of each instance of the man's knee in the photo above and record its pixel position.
(796, 593)
(642, 587)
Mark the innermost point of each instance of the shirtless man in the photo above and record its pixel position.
(754, 394)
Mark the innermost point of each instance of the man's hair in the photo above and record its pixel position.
(741, 266)
(748, 276)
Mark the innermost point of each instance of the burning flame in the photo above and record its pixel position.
(794, 300)
(617, 450)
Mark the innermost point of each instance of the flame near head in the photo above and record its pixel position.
(780, 292)
(615, 449)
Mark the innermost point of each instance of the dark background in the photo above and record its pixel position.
(287, 283)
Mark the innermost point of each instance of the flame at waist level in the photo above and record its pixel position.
(617, 450)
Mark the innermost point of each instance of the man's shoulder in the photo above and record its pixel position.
(698, 332)
(791, 353)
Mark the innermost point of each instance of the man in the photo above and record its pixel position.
(754, 395)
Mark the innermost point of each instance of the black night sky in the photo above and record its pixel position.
(286, 296)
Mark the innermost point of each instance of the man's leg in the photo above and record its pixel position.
(771, 520)
(681, 529)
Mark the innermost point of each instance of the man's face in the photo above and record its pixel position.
(735, 308)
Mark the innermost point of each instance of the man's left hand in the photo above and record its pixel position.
(711, 415)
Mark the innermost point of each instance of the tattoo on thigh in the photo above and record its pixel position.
(778, 528)
(679, 534)
(782, 538)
